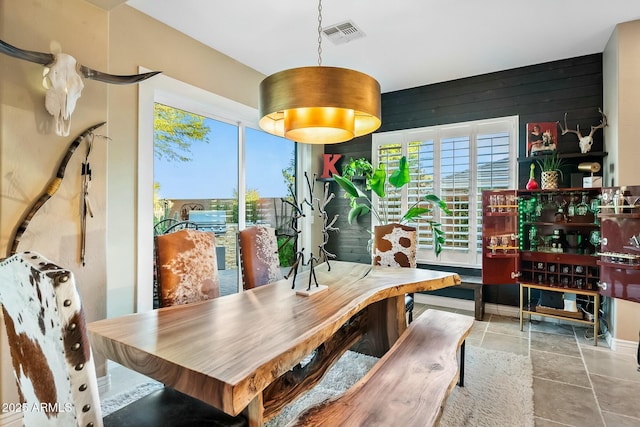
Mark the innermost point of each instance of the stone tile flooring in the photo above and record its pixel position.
(574, 384)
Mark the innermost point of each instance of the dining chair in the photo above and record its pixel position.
(394, 246)
(187, 267)
(259, 262)
(53, 363)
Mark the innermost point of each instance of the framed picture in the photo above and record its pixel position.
(542, 138)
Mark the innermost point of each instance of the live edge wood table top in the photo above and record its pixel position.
(236, 352)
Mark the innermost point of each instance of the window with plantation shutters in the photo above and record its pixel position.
(456, 162)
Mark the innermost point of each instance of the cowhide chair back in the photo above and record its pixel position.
(53, 364)
(187, 267)
(50, 351)
(258, 247)
(394, 245)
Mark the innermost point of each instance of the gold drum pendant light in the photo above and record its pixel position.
(319, 105)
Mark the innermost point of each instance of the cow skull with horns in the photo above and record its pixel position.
(63, 81)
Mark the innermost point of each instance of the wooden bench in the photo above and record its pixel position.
(409, 385)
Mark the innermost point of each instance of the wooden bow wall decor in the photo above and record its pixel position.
(63, 81)
(51, 188)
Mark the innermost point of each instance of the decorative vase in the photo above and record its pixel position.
(549, 180)
(394, 245)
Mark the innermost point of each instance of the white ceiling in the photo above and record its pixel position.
(408, 43)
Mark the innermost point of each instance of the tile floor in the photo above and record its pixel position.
(574, 384)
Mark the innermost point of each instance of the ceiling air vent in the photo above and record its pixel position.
(343, 32)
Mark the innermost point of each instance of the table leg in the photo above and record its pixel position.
(386, 322)
(255, 412)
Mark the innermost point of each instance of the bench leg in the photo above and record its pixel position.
(461, 378)
(479, 300)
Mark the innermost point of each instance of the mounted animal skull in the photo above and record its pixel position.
(585, 142)
(63, 81)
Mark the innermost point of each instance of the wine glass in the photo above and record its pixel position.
(493, 243)
(632, 200)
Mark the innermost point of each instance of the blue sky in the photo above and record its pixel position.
(213, 171)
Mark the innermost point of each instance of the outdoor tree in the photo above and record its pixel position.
(174, 132)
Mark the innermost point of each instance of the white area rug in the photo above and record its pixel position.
(498, 390)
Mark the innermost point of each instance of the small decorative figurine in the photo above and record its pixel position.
(532, 184)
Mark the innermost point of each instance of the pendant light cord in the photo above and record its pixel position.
(319, 33)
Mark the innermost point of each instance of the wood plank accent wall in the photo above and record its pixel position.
(537, 93)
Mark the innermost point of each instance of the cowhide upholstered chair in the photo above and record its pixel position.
(394, 245)
(53, 362)
(187, 267)
(258, 248)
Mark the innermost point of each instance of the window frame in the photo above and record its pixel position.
(472, 256)
(166, 90)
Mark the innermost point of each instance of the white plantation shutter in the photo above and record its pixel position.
(494, 171)
(455, 190)
(455, 162)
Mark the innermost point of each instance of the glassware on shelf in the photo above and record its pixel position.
(594, 239)
(493, 244)
(493, 201)
(571, 209)
(533, 239)
(618, 202)
(511, 201)
(534, 203)
(607, 196)
(595, 208)
(583, 207)
(632, 200)
(504, 242)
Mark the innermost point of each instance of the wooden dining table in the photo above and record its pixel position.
(241, 353)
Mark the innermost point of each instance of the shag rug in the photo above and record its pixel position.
(497, 390)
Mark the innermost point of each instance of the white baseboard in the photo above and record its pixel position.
(11, 419)
(465, 304)
(622, 346)
(616, 345)
(457, 303)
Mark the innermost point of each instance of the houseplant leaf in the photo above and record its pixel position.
(414, 212)
(437, 202)
(347, 185)
(357, 210)
(377, 181)
(400, 176)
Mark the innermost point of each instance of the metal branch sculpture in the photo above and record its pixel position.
(327, 226)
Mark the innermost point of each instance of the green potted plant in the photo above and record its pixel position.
(376, 181)
(551, 171)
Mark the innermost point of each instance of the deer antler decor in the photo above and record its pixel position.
(584, 141)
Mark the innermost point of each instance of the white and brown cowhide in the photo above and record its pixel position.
(394, 246)
(187, 267)
(259, 256)
(49, 346)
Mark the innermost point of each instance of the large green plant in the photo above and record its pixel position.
(376, 181)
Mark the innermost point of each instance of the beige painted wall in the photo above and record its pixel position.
(137, 40)
(30, 150)
(621, 94)
(116, 41)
